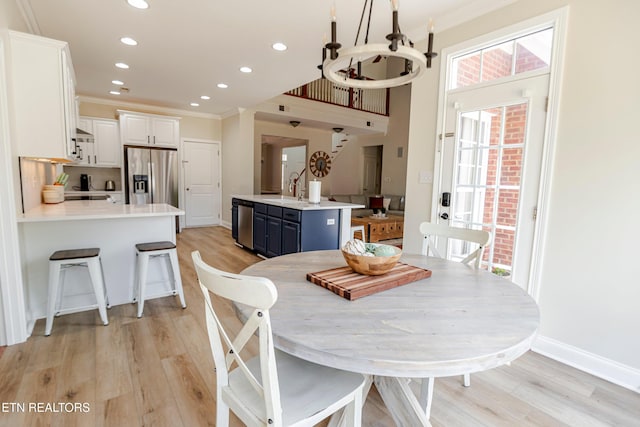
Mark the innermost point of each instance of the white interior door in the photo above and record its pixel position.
(201, 166)
(491, 168)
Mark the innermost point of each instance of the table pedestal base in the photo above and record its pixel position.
(403, 405)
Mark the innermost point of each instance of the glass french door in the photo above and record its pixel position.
(491, 160)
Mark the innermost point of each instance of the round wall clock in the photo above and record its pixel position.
(320, 164)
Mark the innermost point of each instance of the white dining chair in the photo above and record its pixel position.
(430, 233)
(273, 388)
(358, 228)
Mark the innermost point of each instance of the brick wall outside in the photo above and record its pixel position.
(498, 63)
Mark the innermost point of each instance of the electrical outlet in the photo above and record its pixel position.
(331, 221)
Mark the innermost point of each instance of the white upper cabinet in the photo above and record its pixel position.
(107, 145)
(165, 131)
(42, 96)
(149, 129)
(104, 151)
(135, 129)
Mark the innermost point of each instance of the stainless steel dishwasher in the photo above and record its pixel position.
(245, 224)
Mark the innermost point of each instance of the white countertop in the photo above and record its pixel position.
(95, 209)
(293, 203)
(91, 193)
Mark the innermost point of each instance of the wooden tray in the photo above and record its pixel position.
(348, 284)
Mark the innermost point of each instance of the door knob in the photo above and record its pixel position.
(187, 188)
(444, 215)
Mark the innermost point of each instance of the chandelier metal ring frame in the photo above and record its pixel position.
(337, 66)
(332, 67)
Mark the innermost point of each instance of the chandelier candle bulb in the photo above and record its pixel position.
(394, 18)
(333, 31)
(314, 191)
(430, 53)
(334, 45)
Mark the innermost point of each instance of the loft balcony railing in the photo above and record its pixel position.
(369, 100)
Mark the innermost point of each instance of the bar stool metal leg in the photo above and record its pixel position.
(143, 264)
(177, 280)
(95, 271)
(53, 295)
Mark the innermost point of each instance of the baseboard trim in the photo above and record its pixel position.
(225, 224)
(607, 369)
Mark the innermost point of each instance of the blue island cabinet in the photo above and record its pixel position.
(280, 231)
(260, 228)
(274, 231)
(290, 231)
(319, 230)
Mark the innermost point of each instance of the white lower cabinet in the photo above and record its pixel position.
(105, 150)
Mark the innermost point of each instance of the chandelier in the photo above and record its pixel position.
(338, 66)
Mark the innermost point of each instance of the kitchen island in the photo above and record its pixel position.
(275, 225)
(113, 227)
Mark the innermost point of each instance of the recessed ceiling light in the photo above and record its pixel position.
(139, 4)
(117, 82)
(195, 104)
(114, 92)
(128, 41)
(223, 85)
(205, 97)
(122, 65)
(279, 46)
(246, 69)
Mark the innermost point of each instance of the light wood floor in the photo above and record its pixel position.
(158, 370)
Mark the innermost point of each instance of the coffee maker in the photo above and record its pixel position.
(84, 182)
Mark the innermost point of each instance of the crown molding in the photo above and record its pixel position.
(232, 112)
(148, 107)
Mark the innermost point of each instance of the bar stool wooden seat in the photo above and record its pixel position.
(59, 262)
(146, 251)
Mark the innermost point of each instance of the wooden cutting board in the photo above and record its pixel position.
(348, 284)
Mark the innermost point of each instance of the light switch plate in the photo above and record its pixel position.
(425, 177)
(331, 221)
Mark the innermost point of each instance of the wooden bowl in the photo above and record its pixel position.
(372, 265)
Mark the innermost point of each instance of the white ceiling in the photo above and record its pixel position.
(186, 47)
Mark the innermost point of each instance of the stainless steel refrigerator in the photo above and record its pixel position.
(151, 175)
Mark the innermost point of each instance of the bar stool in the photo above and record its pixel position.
(145, 251)
(355, 229)
(59, 262)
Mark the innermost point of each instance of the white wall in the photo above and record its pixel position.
(394, 167)
(589, 286)
(13, 326)
(346, 172)
(237, 159)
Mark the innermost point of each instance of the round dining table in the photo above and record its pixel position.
(458, 321)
